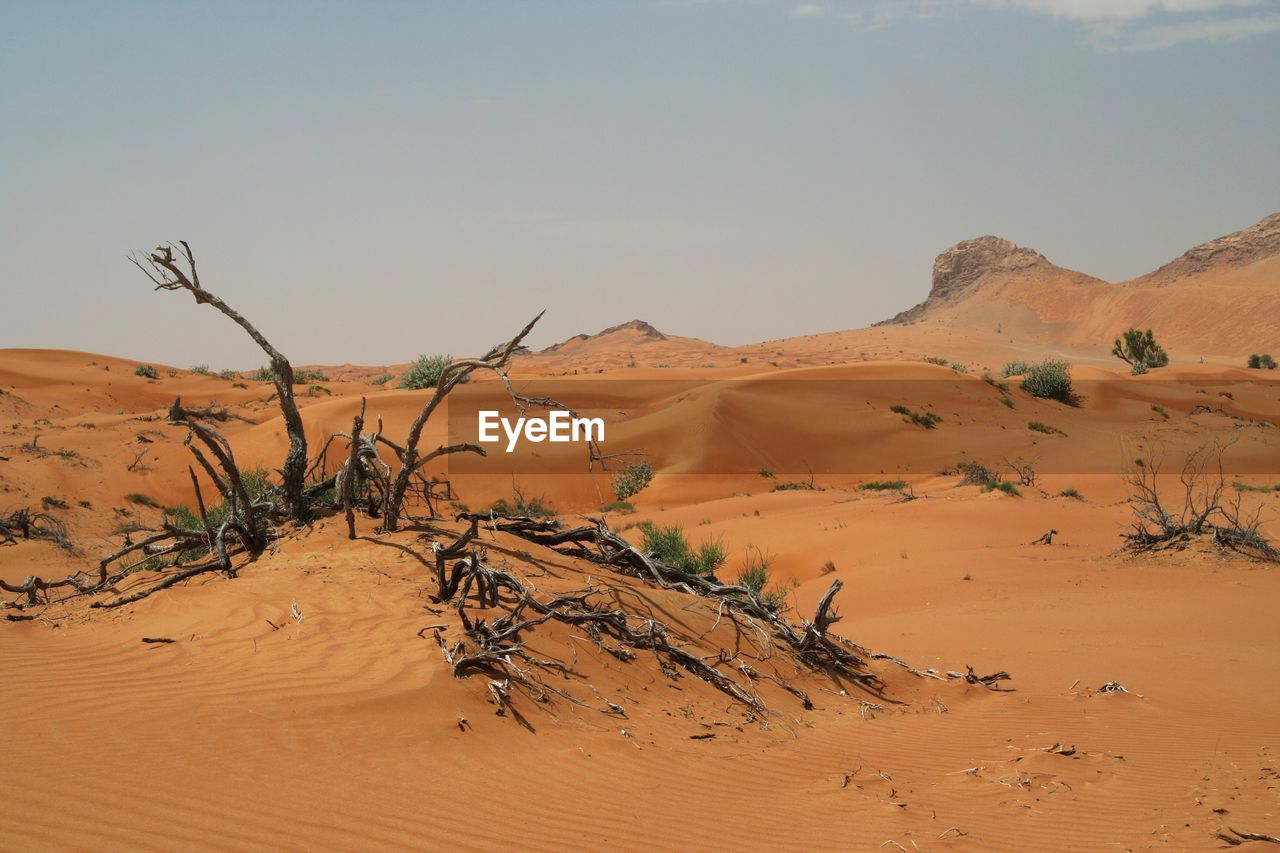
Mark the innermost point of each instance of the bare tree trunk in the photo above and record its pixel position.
(496, 359)
(166, 274)
(353, 466)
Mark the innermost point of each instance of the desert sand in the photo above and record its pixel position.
(307, 704)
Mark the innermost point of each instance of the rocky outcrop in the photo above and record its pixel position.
(958, 270)
(644, 330)
(1253, 243)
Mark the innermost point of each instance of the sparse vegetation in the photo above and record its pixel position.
(1014, 368)
(620, 507)
(755, 577)
(631, 480)
(1003, 486)
(1261, 362)
(1071, 493)
(300, 377)
(425, 372)
(200, 369)
(883, 485)
(1140, 351)
(381, 380)
(142, 500)
(1036, 426)
(1161, 411)
(933, 359)
(51, 502)
(146, 371)
(975, 474)
(1049, 380)
(669, 545)
(519, 505)
(928, 420)
(228, 374)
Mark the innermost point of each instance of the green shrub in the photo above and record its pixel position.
(767, 474)
(1015, 368)
(620, 507)
(200, 369)
(51, 502)
(630, 480)
(933, 359)
(257, 482)
(425, 372)
(382, 380)
(883, 485)
(300, 377)
(146, 370)
(1036, 426)
(755, 577)
(928, 420)
(958, 367)
(1140, 351)
(317, 390)
(142, 500)
(975, 474)
(228, 374)
(1049, 380)
(668, 545)
(1071, 493)
(1161, 411)
(520, 505)
(1262, 362)
(1003, 486)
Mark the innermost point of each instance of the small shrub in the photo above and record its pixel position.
(975, 474)
(958, 367)
(381, 380)
(1049, 380)
(147, 371)
(767, 474)
(1036, 426)
(883, 485)
(1161, 411)
(933, 359)
(317, 390)
(620, 507)
(1007, 401)
(520, 505)
(200, 369)
(631, 480)
(669, 545)
(301, 377)
(1003, 486)
(1014, 368)
(228, 374)
(828, 567)
(50, 502)
(1140, 348)
(928, 420)
(142, 500)
(1071, 493)
(755, 577)
(425, 372)
(1262, 362)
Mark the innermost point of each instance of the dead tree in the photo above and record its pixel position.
(167, 273)
(411, 461)
(353, 465)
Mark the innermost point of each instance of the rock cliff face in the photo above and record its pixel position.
(958, 269)
(1251, 244)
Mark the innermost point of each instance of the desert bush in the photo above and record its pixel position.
(146, 370)
(1002, 486)
(1049, 380)
(620, 507)
(933, 359)
(958, 367)
(142, 500)
(1072, 493)
(1159, 523)
(228, 374)
(1262, 362)
(520, 505)
(1140, 351)
(630, 480)
(975, 474)
(268, 374)
(755, 577)
(1014, 368)
(883, 485)
(425, 372)
(928, 420)
(381, 380)
(200, 369)
(1036, 426)
(669, 545)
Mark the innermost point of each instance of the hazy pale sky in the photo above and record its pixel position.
(370, 181)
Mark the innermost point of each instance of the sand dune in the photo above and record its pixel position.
(342, 725)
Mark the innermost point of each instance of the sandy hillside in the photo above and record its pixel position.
(309, 702)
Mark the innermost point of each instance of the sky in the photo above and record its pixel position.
(372, 181)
